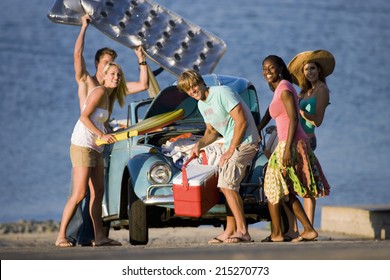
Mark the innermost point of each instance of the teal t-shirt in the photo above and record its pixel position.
(308, 105)
(215, 111)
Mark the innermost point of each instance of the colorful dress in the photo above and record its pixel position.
(305, 177)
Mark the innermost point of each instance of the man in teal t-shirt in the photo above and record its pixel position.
(226, 114)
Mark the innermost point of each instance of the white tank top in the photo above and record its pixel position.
(82, 136)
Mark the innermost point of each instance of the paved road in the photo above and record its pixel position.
(319, 250)
(191, 244)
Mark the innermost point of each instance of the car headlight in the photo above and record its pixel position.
(159, 173)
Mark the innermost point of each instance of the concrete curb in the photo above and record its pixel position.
(370, 221)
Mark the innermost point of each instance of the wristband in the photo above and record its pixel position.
(142, 63)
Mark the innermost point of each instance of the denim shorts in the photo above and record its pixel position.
(85, 157)
(233, 171)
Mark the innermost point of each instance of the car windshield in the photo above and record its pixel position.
(139, 109)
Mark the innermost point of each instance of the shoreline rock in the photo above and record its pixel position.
(32, 226)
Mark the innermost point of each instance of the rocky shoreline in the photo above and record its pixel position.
(32, 226)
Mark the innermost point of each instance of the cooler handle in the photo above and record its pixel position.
(183, 169)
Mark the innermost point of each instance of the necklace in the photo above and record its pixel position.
(309, 93)
(315, 86)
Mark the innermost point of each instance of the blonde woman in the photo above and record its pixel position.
(80, 229)
(86, 156)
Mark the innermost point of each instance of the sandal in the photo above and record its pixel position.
(236, 239)
(269, 239)
(215, 240)
(108, 242)
(65, 244)
(300, 238)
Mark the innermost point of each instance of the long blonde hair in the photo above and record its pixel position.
(120, 92)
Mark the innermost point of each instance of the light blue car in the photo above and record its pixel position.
(138, 193)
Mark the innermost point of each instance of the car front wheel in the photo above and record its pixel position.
(138, 224)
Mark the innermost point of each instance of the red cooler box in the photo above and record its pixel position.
(195, 189)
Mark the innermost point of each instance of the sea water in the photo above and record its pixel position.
(39, 104)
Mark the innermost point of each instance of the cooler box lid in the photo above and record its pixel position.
(197, 174)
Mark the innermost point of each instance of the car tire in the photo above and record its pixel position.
(138, 224)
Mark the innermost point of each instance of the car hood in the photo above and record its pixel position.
(170, 99)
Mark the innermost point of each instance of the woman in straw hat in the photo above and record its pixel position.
(309, 70)
(290, 169)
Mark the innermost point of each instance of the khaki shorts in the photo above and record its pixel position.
(85, 157)
(232, 173)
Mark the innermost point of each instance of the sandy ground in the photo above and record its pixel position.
(158, 238)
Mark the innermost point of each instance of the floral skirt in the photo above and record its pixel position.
(304, 178)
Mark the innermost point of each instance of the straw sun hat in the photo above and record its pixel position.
(322, 57)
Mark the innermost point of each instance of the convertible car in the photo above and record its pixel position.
(139, 171)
